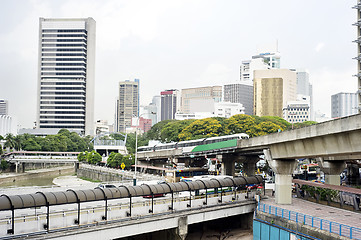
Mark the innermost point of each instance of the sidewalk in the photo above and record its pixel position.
(333, 214)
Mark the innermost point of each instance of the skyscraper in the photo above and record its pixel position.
(169, 104)
(66, 63)
(3, 107)
(127, 104)
(343, 104)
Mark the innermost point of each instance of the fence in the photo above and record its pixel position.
(332, 227)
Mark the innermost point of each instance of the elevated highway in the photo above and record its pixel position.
(332, 143)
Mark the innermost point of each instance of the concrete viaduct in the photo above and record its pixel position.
(332, 143)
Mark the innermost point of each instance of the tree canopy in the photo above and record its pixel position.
(63, 141)
(177, 130)
(116, 159)
(201, 128)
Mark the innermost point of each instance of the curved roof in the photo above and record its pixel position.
(70, 196)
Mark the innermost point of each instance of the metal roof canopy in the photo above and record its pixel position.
(70, 196)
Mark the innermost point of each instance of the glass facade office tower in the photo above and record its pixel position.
(66, 74)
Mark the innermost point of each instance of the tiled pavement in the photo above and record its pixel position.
(333, 214)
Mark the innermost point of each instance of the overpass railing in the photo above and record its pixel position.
(323, 224)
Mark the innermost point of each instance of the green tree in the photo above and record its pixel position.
(240, 123)
(10, 141)
(82, 157)
(265, 128)
(170, 132)
(301, 125)
(114, 160)
(155, 132)
(4, 164)
(128, 160)
(130, 144)
(94, 157)
(117, 136)
(274, 119)
(201, 128)
(31, 145)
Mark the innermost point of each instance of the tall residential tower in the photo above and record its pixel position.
(66, 63)
(127, 104)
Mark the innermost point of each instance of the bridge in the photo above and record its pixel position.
(109, 213)
(332, 143)
(21, 159)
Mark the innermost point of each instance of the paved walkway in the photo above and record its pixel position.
(333, 214)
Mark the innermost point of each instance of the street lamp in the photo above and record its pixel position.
(136, 149)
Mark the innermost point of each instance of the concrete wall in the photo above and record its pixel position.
(99, 175)
(49, 172)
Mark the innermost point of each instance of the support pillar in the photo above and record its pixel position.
(249, 165)
(353, 174)
(182, 229)
(76, 167)
(228, 162)
(332, 169)
(283, 169)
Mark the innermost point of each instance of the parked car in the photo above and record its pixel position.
(106, 186)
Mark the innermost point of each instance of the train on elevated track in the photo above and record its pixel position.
(198, 145)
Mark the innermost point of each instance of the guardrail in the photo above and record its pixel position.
(332, 227)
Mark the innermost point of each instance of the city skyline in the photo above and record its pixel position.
(156, 43)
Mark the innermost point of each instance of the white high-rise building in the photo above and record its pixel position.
(66, 63)
(266, 59)
(127, 104)
(343, 104)
(304, 89)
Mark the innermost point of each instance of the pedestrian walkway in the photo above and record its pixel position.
(342, 216)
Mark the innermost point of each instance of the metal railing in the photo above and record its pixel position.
(332, 227)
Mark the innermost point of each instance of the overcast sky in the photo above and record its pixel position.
(181, 44)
